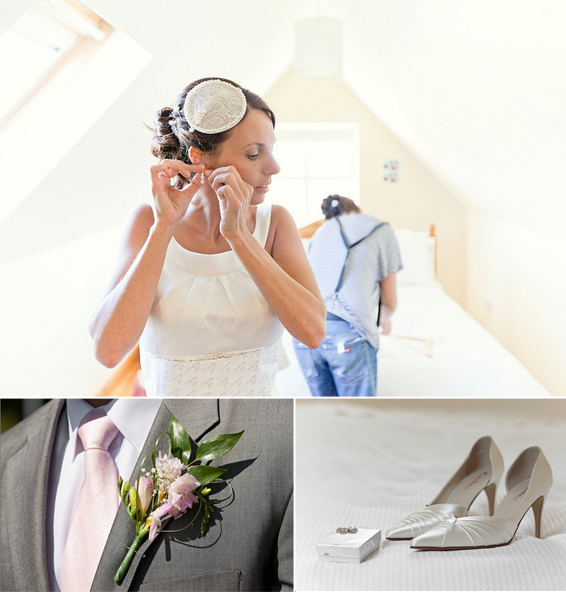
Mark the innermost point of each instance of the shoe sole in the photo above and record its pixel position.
(460, 548)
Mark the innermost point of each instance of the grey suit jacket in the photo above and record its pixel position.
(250, 542)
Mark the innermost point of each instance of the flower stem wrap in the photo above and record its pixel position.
(123, 569)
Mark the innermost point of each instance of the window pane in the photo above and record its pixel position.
(291, 194)
(291, 157)
(327, 158)
(316, 160)
(38, 44)
(338, 158)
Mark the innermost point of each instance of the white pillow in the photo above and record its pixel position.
(417, 253)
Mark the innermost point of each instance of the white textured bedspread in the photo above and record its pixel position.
(369, 463)
(467, 361)
(436, 350)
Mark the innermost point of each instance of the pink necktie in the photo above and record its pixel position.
(97, 504)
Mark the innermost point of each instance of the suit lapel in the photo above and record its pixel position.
(27, 475)
(197, 416)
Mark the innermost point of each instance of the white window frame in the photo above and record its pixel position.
(91, 30)
(317, 132)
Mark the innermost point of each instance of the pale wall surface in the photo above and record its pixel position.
(417, 201)
(516, 288)
(45, 305)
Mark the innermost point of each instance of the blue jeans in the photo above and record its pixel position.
(344, 365)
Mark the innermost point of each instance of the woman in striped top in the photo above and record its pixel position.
(355, 258)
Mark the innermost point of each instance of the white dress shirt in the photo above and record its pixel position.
(133, 418)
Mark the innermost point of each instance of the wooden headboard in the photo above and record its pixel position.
(307, 232)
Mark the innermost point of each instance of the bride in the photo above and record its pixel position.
(210, 274)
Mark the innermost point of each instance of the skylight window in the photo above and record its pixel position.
(60, 63)
(42, 50)
(38, 43)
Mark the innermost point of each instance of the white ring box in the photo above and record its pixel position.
(352, 547)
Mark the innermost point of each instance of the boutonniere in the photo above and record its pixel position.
(173, 485)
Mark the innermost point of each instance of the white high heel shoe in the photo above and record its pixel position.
(480, 471)
(528, 482)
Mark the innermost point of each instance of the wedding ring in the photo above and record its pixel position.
(347, 529)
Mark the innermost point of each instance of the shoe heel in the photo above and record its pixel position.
(537, 511)
(490, 492)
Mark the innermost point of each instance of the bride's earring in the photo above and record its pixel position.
(202, 178)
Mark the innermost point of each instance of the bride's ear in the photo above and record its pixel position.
(196, 155)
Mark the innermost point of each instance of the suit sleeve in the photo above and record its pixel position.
(285, 550)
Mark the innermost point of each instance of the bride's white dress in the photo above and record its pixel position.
(210, 332)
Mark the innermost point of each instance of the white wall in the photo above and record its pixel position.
(45, 304)
(516, 290)
(417, 201)
(475, 88)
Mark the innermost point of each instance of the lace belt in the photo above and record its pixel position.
(249, 373)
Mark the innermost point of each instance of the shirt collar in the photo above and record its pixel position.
(133, 417)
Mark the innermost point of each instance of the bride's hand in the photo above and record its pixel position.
(170, 204)
(234, 196)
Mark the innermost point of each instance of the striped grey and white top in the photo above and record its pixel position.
(369, 263)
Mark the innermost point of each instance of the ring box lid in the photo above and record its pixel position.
(350, 547)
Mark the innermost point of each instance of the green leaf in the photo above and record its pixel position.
(217, 446)
(180, 442)
(125, 491)
(204, 523)
(204, 474)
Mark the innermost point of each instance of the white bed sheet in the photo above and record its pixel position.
(467, 361)
(369, 463)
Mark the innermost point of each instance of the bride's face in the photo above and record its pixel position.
(249, 149)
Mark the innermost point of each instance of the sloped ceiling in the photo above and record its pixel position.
(474, 87)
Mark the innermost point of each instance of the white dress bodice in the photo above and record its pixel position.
(210, 319)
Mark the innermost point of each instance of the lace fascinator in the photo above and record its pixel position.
(214, 106)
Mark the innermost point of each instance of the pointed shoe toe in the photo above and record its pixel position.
(480, 471)
(434, 537)
(470, 532)
(400, 532)
(528, 482)
(422, 520)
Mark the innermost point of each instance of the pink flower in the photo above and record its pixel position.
(181, 496)
(168, 466)
(145, 491)
(155, 521)
(168, 469)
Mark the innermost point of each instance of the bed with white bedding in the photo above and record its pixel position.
(436, 348)
(371, 462)
(449, 354)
